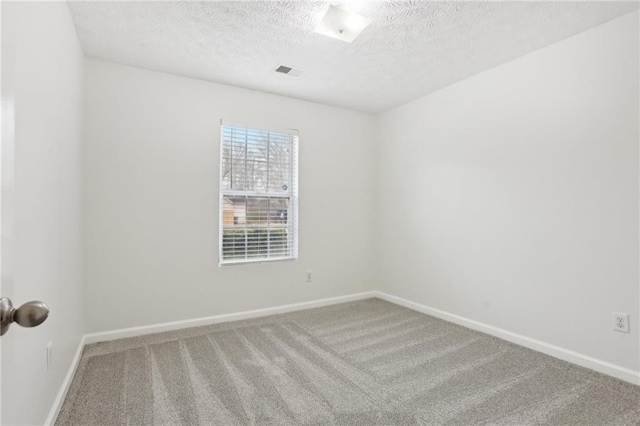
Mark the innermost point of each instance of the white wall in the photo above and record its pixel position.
(511, 198)
(152, 176)
(46, 89)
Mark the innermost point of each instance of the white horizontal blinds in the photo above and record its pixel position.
(258, 190)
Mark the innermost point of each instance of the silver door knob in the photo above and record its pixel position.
(30, 314)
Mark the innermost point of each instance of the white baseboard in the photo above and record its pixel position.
(62, 393)
(598, 365)
(177, 325)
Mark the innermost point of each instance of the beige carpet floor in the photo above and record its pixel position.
(361, 363)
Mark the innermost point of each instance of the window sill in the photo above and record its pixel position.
(256, 261)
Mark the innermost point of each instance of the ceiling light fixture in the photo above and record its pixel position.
(343, 25)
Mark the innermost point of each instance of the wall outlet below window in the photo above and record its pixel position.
(309, 276)
(621, 322)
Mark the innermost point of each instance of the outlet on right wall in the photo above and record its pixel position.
(512, 198)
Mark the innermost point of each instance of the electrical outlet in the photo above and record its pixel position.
(49, 355)
(621, 322)
(309, 276)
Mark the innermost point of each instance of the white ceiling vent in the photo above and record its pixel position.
(284, 69)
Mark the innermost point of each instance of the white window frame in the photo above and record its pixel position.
(292, 211)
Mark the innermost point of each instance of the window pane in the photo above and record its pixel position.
(256, 161)
(257, 211)
(278, 225)
(225, 174)
(234, 244)
(279, 165)
(257, 176)
(278, 212)
(257, 148)
(234, 212)
(255, 227)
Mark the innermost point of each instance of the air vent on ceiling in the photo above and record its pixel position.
(293, 72)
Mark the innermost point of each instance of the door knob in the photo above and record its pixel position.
(30, 314)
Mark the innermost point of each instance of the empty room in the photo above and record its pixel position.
(320, 213)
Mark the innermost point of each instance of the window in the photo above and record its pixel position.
(258, 195)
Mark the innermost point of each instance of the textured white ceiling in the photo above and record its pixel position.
(410, 49)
